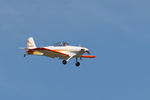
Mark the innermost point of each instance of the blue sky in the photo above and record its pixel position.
(116, 31)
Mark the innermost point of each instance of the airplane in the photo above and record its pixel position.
(60, 50)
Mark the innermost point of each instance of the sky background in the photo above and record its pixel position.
(116, 31)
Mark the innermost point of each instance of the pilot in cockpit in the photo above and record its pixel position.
(65, 44)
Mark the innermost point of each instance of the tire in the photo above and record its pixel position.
(77, 64)
(64, 62)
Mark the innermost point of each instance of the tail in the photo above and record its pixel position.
(31, 43)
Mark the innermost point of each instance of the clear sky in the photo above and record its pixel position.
(116, 31)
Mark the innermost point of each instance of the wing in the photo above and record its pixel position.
(54, 53)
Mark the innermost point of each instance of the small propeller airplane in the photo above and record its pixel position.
(60, 49)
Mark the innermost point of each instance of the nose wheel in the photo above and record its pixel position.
(64, 62)
(77, 64)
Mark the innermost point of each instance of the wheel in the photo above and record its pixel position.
(64, 62)
(77, 64)
(24, 55)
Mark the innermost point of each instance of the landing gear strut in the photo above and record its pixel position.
(64, 62)
(77, 63)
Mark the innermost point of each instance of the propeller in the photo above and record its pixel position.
(88, 52)
(84, 50)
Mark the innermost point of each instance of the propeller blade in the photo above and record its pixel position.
(88, 52)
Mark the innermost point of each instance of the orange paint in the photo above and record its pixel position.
(88, 56)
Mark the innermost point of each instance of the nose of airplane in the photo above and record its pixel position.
(86, 50)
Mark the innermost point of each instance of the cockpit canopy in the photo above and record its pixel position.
(60, 44)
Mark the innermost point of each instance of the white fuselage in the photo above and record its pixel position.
(68, 49)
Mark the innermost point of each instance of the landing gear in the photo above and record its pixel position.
(77, 64)
(24, 55)
(64, 62)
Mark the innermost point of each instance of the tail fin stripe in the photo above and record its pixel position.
(31, 43)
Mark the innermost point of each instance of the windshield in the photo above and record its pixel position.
(60, 44)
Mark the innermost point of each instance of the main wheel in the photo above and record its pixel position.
(24, 55)
(64, 62)
(77, 64)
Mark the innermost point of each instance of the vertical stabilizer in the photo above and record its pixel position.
(31, 43)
